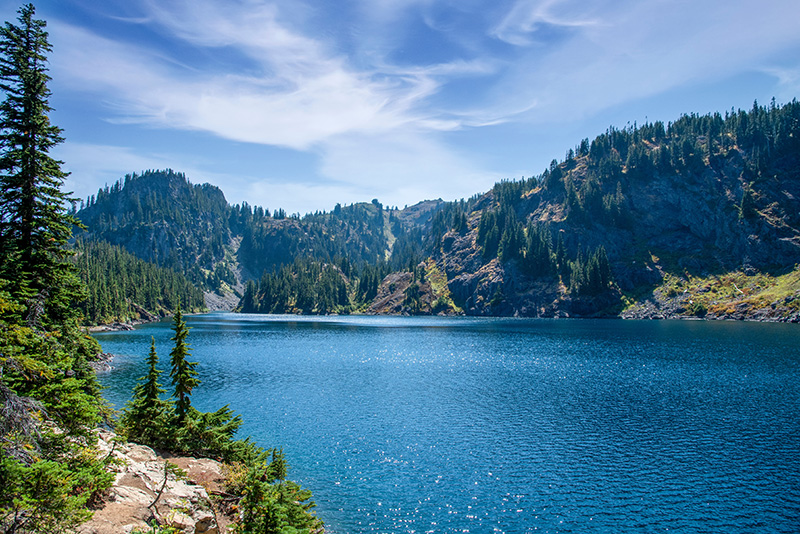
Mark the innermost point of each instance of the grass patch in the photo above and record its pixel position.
(734, 292)
(442, 298)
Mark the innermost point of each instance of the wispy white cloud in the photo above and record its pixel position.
(294, 111)
(370, 127)
(525, 17)
(633, 50)
(375, 119)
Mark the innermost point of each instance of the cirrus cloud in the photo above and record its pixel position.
(401, 97)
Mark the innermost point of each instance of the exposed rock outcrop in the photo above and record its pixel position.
(226, 301)
(661, 304)
(391, 294)
(149, 486)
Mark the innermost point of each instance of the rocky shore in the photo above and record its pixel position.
(651, 309)
(103, 363)
(174, 491)
(702, 303)
(116, 327)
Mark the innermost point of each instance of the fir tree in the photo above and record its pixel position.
(183, 373)
(143, 420)
(34, 222)
(150, 389)
(48, 393)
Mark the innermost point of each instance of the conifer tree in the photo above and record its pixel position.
(34, 229)
(144, 417)
(49, 398)
(561, 258)
(34, 222)
(150, 389)
(183, 373)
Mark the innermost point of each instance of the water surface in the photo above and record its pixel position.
(509, 425)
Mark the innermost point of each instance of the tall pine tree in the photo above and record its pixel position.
(49, 396)
(183, 373)
(34, 222)
(144, 420)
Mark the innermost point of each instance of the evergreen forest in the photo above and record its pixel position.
(122, 287)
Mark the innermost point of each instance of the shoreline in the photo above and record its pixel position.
(103, 363)
(120, 326)
(635, 315)
(123, 326)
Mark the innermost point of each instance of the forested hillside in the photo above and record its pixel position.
(360, 233)
(122, 287)
(602, 232)
(599, 231)
(162, 218)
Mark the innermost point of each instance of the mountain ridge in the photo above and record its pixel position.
(600, 233)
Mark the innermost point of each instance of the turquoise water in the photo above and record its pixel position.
(508, 425)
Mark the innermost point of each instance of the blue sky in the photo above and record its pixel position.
(301, 104)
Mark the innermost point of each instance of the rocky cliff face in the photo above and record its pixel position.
(497, 288)
(162, 218)
(391, 297)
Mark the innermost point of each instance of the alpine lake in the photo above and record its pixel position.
(444, 425)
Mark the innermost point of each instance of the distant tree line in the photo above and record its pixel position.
(122, 287)
(162, 218)
(311, 287)
(356, 232)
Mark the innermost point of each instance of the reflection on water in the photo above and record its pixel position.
(506, 425)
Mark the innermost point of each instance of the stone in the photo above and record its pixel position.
(180, 520)
(131, 496)
(205, 523)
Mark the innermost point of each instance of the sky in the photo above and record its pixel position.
(302, 104)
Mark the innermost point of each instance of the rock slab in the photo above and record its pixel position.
(144, 477)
